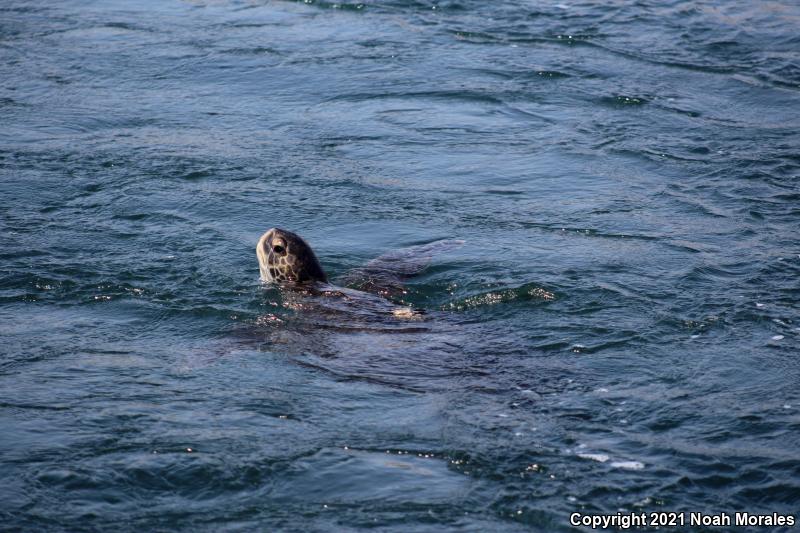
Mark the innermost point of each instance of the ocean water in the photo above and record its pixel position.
(619, 332)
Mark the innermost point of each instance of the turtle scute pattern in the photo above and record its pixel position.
(285, 257)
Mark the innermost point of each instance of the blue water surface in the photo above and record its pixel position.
(619, 332)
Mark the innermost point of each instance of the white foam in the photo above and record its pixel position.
(599, 457)
(628, 465)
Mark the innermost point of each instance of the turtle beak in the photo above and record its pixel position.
(262, 251)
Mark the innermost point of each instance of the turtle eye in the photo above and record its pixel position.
(278, 249)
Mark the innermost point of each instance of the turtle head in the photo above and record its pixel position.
(285, 257)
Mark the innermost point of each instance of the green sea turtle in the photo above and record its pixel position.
(286, 259)
(363, 328)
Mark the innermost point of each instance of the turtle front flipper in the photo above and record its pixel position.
(385, 274)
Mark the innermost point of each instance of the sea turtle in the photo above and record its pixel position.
(367, 330)
(377, 288)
